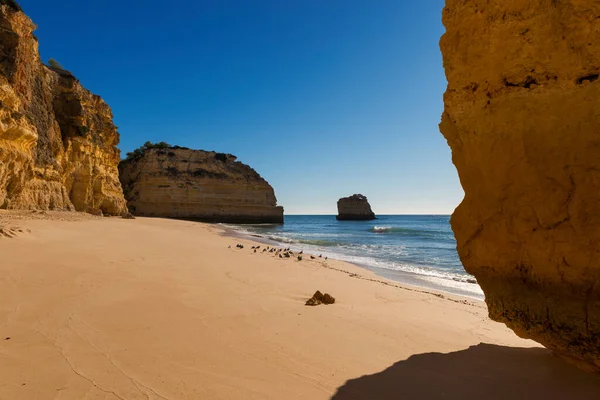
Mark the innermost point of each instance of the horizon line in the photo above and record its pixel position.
(375, 214)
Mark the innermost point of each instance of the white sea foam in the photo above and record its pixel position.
(378, 258)
(379, 229)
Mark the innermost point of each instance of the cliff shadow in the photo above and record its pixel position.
(484, 371)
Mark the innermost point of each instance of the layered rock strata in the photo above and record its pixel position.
(523, 124)
(354, 208)
(197, 185)
(57, 140)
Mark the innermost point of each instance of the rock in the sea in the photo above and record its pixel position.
(354, 208)
(175, 182)
(58, 144)
(522, 119)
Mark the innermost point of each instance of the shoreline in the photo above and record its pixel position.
(369, 275)
(108, 308)
(402, 277)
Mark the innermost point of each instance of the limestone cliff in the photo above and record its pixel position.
(354, 208)
(523, 124)
(57, 140)
(194, 184)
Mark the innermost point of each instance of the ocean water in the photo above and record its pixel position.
(416, 249)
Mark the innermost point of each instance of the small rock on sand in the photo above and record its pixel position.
(328, 299)
(320, 298)
(312, 302)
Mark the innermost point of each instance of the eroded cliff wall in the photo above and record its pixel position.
(196, 184)
(522, 119)
(57, 140)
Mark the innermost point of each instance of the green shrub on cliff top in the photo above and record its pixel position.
(221, 157)
(139, 152)
(54, 64)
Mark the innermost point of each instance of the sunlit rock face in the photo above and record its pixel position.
(522, 119)
(200, 185)
(58, 145)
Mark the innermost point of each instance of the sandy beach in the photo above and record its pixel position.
(107, 308)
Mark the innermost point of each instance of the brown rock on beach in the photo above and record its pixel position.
(327, 299)
(312, 302)
(320, 298)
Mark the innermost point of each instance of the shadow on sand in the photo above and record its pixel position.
(484, 371)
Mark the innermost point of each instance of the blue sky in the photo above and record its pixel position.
(322, 98)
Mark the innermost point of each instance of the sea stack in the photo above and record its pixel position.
(175, 182)
(354, 208)
(522, 120)
(58, 143)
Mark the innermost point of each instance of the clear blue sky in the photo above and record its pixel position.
(324, 98)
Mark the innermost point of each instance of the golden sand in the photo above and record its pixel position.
(106, 308)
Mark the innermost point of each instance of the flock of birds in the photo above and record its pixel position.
(282, 253)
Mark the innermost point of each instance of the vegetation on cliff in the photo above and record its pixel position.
(55, 64)
(140, 151)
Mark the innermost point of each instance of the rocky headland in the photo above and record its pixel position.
(173, 182)
(522, 121)
(354, 208)
(58, 144)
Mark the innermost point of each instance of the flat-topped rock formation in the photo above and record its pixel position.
(354, 208)
(58, 144)
(175, 182)
(522, 120)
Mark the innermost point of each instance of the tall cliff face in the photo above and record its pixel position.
(57, 140)
(354, 208)
(200, 185)
(522, 120)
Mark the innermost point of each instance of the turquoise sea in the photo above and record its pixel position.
(415, 249)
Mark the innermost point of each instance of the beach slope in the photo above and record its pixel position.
(107, 308)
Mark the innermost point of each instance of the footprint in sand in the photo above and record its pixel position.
(12, 231)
